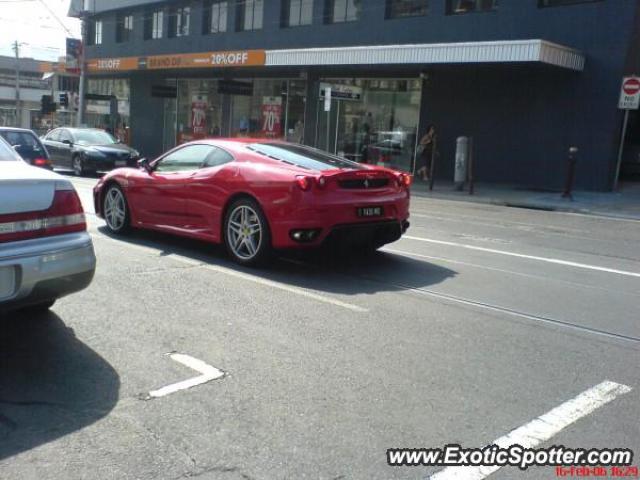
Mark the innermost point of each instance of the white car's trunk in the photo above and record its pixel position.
(24, 188)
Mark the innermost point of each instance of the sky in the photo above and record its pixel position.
(29, 22)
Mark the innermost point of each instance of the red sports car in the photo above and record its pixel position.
(257, 195)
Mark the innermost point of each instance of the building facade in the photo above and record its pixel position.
(37, 78)
(526, 79)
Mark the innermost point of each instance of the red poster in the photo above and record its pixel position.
(199, 117)
(271, 115)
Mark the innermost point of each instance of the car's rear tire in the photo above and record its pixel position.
(78, 166)
(246, 233)
(115, 210)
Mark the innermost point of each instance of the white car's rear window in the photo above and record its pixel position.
(7, 153)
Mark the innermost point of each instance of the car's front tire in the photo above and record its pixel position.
(78, 165)
(115, 210)
(246, 233)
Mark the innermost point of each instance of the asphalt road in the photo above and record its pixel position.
(479, 321)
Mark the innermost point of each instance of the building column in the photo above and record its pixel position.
(311, 107)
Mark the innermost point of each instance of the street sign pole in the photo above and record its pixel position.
(80, 118)
(629, 100)
(625, 122)
(327, 108)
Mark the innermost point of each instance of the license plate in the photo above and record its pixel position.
(7, 281)
(370, 211)
(121, 163)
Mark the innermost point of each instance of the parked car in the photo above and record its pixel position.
(28, 146)
(255, 195)
(88, 150)
(45, 250)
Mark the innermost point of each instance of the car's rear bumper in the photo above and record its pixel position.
(339, 223)
(373, 234)
(45, 269)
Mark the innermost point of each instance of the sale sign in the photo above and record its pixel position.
(199, 116)
(271, 116)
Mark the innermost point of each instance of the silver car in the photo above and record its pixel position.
(45, 250)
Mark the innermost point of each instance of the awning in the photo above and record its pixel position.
(509, 51)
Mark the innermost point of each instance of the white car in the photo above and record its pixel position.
(45, 249)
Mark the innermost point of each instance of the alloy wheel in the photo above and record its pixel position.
(244, 232)
(115, 212)
(77, 165)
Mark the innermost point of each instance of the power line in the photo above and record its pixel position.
(53, 14)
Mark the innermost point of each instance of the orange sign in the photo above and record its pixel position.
(50, 67)
(234, 58)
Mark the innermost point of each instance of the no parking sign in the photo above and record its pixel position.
(630, 93)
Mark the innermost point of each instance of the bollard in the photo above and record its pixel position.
(571, 172)
(460, 173)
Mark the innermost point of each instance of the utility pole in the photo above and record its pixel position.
(16, 49)
(83, 69)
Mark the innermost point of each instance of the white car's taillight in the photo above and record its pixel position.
(65, 215)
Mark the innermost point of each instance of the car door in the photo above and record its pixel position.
(208, 191)
(51, 141)
(158, 197)
(65, 149)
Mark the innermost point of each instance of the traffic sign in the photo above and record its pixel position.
(630, 94)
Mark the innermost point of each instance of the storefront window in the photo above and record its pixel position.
(371, 121)
(260, 108)
(8, 117)
(98, 113)
(199, 110)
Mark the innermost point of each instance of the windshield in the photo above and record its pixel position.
(303, 156)
(7, 154)
(93, 137)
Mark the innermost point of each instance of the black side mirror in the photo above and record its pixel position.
(67, 142)
(144, 163)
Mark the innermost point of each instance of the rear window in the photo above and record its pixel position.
(7, 153)
(303, 156)
(24, 139)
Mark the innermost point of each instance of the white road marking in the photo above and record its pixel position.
(502, 270)
(556, 261)
(277, 285)
(542, 428)
(208, 373)
(244, 276)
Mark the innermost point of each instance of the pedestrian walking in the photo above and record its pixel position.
(426, 151)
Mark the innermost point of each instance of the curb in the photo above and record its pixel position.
(526, 205)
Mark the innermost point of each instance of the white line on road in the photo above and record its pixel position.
(280, 286)
(244, 276)
(208, 373)
(556, 261)
(542, 428)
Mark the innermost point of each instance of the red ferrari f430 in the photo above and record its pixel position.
(256, 195)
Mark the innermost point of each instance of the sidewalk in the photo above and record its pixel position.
(622, 204)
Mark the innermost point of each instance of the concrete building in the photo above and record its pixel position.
(526, 79)
(37, 78)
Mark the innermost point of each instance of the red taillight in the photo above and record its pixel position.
(304, 183)
(65, 215)
(42, 162)
(404, 180)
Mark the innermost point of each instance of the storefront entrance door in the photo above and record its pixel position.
(371, 121)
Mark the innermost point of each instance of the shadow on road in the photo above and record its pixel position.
(51, 384)
(321, 269)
